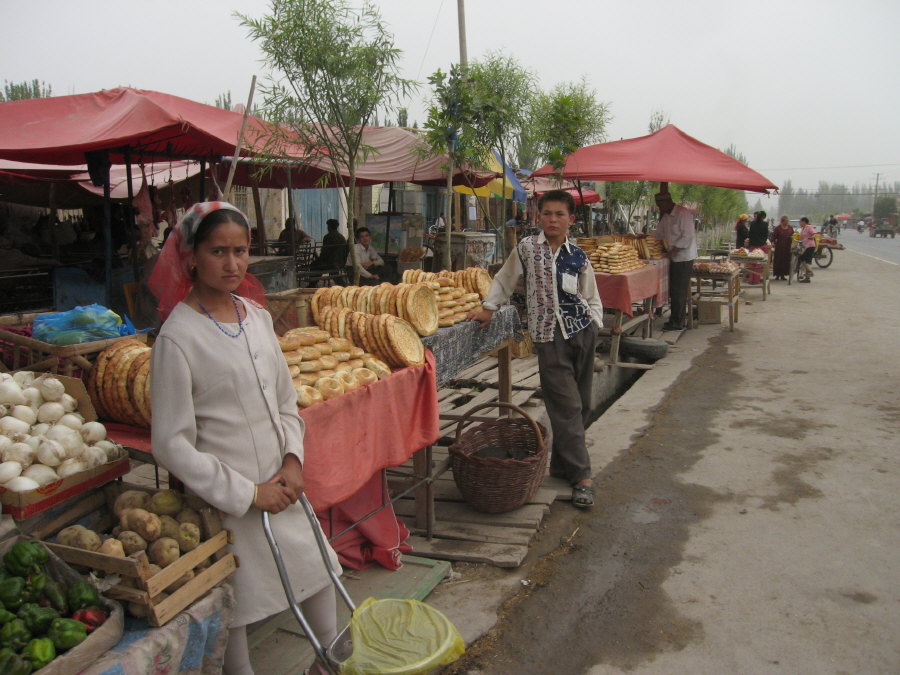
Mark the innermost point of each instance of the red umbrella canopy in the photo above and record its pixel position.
(60, 129)
(668, 155)
(590, 196)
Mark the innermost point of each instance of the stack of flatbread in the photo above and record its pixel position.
(324, 366)
(414, 303)
(388, 337)
(472, 279)
(587, 244)
(615, 258)
(454, 302)
(119, 383)
(648, 247)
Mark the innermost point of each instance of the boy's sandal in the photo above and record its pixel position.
(582, 496)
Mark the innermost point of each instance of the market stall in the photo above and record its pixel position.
(755, 268)
(716, 283)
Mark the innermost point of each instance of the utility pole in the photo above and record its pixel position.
(461, 17)
(875, 197)
(451, 197)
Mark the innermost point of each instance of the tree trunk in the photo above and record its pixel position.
(351, 217)
(449, 219)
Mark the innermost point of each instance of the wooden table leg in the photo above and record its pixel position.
(647, 329)
(616, 337)
(732, 301)
(423, 496)
(504, 374)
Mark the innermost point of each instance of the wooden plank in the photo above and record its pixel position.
(529, 515)
(499, 555)
(187, 594)
(519, 536)
(477, 368)
(445, 490)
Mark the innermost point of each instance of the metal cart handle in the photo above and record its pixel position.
(321, 651)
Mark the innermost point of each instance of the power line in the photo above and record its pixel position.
(430, 36)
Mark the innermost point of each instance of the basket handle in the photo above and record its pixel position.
(508, 406)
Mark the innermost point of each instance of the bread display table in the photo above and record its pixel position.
(729, 292)
(753, 268)
(620, 292)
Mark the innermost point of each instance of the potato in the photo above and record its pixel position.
(132, 542)
(189, 515)
(143, 522)
(181, 581)
(164, 551)
(166, 503)
(66, 536)
(169, 527)
(112, 546)
(138, 610)
(188, 537)
(130, 499)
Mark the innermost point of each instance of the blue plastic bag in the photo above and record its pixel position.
(82, 324)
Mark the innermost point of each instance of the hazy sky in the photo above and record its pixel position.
(807, 90)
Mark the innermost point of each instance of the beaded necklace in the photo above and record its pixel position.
(220, 326)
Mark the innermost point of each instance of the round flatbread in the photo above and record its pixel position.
(405, 343)
(422, 310)
(140, 371)
(379, 367)
(307, 378)
(307, 396)
(289, 343)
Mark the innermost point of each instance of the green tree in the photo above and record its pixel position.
(452, 128)
(885, 207)
(18, 91)
(564, 120)
(334, 66)
(504, 92)
(224, 101)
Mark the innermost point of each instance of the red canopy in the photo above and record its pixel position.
(60, 129)
(668, 155)
(590, 196)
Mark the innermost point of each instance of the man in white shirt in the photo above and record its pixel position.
(368, 262)
(676, 228)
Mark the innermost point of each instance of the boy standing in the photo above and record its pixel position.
(564, 315)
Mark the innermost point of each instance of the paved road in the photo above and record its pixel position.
(751, 525)
(886, 250)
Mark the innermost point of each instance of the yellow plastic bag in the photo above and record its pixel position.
(400, 637)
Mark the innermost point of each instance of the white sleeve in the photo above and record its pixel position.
(504, 282)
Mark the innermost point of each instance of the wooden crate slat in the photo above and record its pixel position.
(161, 612)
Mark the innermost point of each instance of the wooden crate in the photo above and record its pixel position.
(148, 587)
(290, 309)
(21, 352)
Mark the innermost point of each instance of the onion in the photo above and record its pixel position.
(112, 450)
(24, 378)
(9, 470)
(72, 420)
(71, 466)
(26, 414)
(4, 410)
(42, 475)
(5, 442)
(39, 429)
(19, 452)
(11, 393)
(33, 395)
(93, 432)
(51, 453)
(69, 402)
(51, 388)
(33, 442)
(67, 437)
(21, 484)
(10, 425)
(93, 456)
(50, 412)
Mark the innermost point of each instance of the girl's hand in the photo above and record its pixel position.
(273, 496)
(291, 475)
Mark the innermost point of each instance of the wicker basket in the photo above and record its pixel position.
(497, 485)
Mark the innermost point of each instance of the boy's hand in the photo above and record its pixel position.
(482, 316)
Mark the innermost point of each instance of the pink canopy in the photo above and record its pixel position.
(668, 155)
(590, 196)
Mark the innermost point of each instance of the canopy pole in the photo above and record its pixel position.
(260, 218)
(202, 177)
(293, 219)
(107, 238)
(387, 228)
(240, 140)
(130, 222)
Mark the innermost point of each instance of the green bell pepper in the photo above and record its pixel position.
(66, 633)
(5, 617)
(14, 634)
(81, 594)
(34, 586)
(37, 619)
(13, 664)
(12, 592)
(25, 557)
(39, 652)
(55, 595)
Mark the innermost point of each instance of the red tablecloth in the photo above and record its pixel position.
(619, 291)
(662, 264)
(348, 441)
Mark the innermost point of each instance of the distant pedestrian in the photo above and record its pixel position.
(782, 239)
(741, 231)
(758, 239)
(808, 243)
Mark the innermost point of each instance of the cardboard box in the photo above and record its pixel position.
(21, 505)
(711, 311)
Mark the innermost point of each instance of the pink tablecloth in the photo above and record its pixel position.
(662, 264)
(620, 291)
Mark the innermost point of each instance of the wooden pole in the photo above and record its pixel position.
(240, 140)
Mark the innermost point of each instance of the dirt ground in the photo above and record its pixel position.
(750, 524)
